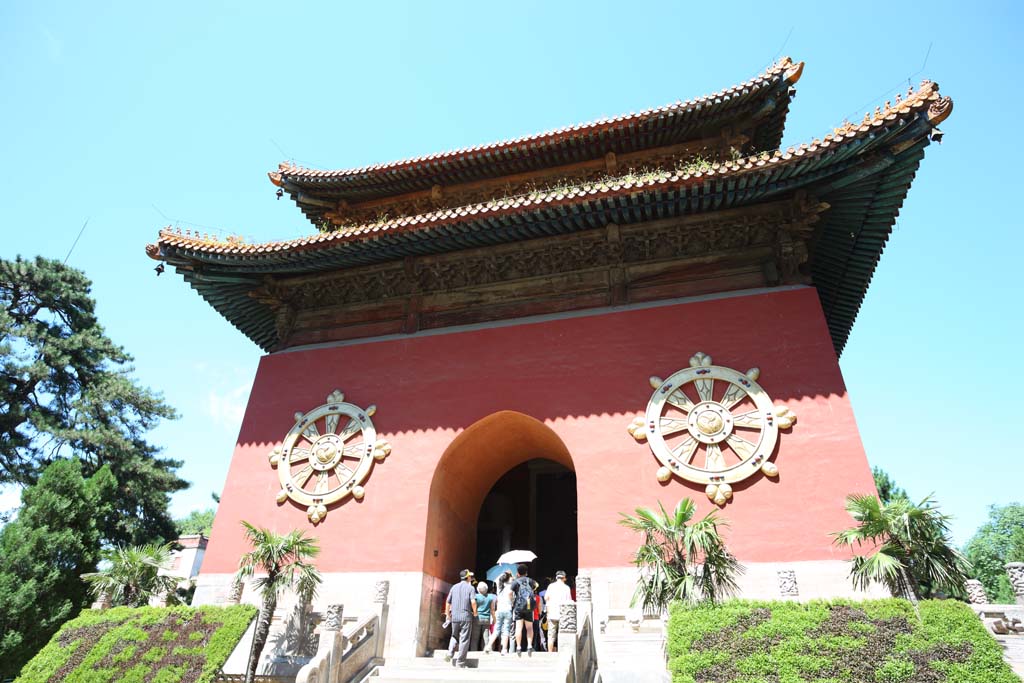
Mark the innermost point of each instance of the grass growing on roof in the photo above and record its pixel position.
(876, 641)
(141, 645)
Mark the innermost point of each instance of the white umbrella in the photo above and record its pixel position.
(517, 556)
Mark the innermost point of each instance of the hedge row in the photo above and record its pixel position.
(877, 641)
(141, 645)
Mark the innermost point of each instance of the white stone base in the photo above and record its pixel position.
(416, 600)
(612, 587)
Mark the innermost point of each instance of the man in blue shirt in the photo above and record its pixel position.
(460, 610)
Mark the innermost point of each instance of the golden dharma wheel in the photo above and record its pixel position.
(327, 455)
(712, 425)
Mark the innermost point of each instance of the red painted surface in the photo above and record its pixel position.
(584, 378)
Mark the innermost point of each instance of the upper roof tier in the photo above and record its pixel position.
(751, 115)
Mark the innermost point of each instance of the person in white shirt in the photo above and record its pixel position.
(503, 612)
(558, 594)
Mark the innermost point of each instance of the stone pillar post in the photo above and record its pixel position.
(787, 584)
(584, 600)
(331, 643)
(102, 601)
(333, 618)
(1016, 572)
(380, 603)
(567, 620)
(975, 592)
(567, 636)
(380, 592)
(583, 589)
(235, 592)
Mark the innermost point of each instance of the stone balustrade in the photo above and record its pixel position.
(975, 592)
(1015, 570)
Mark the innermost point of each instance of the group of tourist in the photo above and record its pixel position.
(500, 620)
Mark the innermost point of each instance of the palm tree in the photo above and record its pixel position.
(680, 560)
(132, 575)
(911, 543)
(285, 561)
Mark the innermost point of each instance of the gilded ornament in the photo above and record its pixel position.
(712, 425)
(328, 455)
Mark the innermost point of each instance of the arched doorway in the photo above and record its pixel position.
(532, 506)
(530, 473)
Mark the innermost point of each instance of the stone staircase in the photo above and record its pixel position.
(632, 652)
(540, 666)
(1013, 652)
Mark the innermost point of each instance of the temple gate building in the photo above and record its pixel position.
(508, 346)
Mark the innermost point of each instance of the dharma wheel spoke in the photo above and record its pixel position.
(311, 432)
(322, 482)
(298, 455)
(680, 400)
(342, 472)
(750, 418)
(684, 451)
(714, 460)
(672, 425)
(302, 476)
(733, 395)
(351, 428)
(705, 389)
(354, 451)
(741, 446)
(332, 423)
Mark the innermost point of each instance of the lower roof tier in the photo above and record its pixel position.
(819, 214)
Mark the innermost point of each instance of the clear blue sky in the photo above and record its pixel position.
(135, 115)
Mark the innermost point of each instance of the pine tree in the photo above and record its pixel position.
(888, 491)
(66, 391)
(43, 553)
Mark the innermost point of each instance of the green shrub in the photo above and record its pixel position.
(141, 645)
(876, 641)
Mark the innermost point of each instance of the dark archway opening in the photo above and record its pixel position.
(533, 507)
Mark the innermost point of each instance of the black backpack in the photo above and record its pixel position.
(524, 595)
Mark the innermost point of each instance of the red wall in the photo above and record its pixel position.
(585, 378)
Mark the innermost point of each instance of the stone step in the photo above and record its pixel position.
(629, 674)
(450, 674)
(541, 666)
(478, 660)
(465, 676)
(631, 637)
(483, 657)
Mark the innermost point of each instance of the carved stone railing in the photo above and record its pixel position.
(345, 656)
(975, 592)
(102, 601)
(1015, 571)
(319, 668)
(576, 645)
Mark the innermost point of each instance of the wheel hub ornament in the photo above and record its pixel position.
(318, 464)
(712, 425)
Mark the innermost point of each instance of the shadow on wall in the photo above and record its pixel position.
(575, 367)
